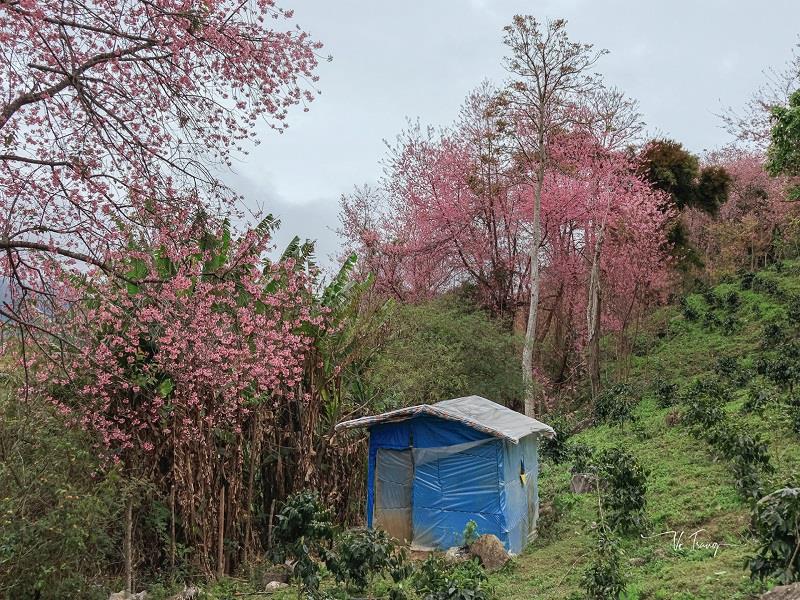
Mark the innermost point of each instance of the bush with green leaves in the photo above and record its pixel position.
(728, 367)
(359, 556)
(689, 311)
(757, 399)
(665, 392)
(470, 534)
(61, 516)
(732, 300)
(773, 334)
(438, 579)
(303, 533)
(604, 578)
(747, 480)
(767, 285)
(776, 525)
(734, 441)
(702, 412)
(624, 490)
(445, 349)
(703, 401)
(782, 366)
(615, 405)
(555, 449)
(583, 457)
(793, 308)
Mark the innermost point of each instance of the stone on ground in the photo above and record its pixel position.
(783, 592)
(275, 585)
(583, 483)
(490, 551)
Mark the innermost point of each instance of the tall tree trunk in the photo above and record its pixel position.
(593, 320)
(533, 307)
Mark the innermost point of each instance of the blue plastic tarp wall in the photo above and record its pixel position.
(461, 474)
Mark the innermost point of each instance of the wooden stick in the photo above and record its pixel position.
(129, 547)
(221, 534)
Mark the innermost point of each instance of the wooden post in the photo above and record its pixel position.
(128, 547)
(269, 525)
(172, 528)
(221, 534)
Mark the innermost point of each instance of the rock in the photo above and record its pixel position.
(279, 573)
(275, 585)
(456, 554)
(673, 418)
(490, 551)
(583, 483)
(783, 592)
(187, 593)
(124, 596)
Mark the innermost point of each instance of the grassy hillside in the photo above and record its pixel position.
(716, 334)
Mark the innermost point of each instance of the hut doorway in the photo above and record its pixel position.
(394, 477)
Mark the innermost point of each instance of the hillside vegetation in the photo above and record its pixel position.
(715, 335)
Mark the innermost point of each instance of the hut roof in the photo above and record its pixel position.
(474, 411)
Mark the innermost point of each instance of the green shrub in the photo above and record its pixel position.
(702, 412)
(766, 285)
(445, 349)
(302, 532)
(615, 405)
(736, 443)
(732, 300)
(582, 457)
(727, 367)
(61, 515)
(793, 308)
(437, 579)
(776, 524)
(711, 321)
(555, 449)
(665, 392)
(747, 480)
(703, 400)
(782, 366)
(624, 489)
(757, 400)
(690, 313)
(794, 414)
(359, 556)
(471, 534)
(604, 578)
(773, 334)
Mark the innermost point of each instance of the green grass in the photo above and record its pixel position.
(689, 488)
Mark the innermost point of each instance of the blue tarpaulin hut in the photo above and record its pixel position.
(433, 468)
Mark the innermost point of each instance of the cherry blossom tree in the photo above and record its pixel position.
(550, 73)
(173, 377)
(111, 108)
(757, 224)
(455, 210)
(141, 314)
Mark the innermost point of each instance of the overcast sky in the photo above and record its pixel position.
(683, 60)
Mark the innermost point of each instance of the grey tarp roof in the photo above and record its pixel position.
(474, 411)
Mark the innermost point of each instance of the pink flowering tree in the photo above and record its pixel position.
(454, 211)
(757, 225)
(114, 108)
(450, 212)
(174, 378)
